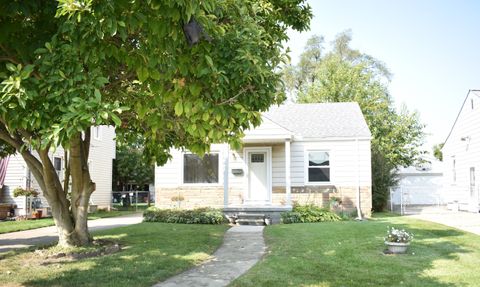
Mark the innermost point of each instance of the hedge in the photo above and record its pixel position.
(187, 216)
(307, 214)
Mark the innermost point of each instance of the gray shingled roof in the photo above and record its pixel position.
(322, 120)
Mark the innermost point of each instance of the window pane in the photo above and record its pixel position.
(57, 163)
(200, 170)
(318, 158)
(319, 174)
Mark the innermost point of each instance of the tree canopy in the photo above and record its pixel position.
(73, 64)
(343, 74)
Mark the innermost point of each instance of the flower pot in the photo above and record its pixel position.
(397, 247)
(37, 214)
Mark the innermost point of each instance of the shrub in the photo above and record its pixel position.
(187, 216)
(308, 213)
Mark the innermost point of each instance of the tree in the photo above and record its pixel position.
(437, 151)
(180, 74)
(343, 75)
(131, 167)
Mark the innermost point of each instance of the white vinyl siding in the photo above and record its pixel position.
(462, 152)
(343, 164)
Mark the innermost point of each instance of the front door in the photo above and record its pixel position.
(258, 183)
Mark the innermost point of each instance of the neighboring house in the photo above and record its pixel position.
(420, 185)
(305, 153)
(102, 152)
(461, 156)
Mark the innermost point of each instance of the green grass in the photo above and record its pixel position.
(152, 252)
(350, 254)
(11, 226)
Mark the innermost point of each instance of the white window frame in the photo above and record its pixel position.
(97, 132)
(220, 170)
(306, 167)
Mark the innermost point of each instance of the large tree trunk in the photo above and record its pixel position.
(70, 216)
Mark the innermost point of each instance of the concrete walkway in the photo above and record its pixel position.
(466, 221)
(46, 235)
(243, 246)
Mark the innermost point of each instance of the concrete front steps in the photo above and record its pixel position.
(251, 219)
(255, 215)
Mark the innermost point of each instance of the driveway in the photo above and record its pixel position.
(466, 221)
(47, 235)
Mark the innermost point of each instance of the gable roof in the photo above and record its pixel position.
(322, 120)
(474, 92)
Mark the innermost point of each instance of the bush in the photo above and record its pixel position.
(187, 216)
(308, 213)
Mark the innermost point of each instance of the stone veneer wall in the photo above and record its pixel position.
(320, 196)
(193, 196)
(201, 196)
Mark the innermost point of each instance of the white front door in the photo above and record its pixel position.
(258, 177)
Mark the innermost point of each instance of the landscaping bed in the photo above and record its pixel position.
(350, 253)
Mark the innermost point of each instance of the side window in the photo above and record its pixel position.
(57, 163)
(454, 171)
(97, 132)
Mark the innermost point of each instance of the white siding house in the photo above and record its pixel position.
(461, 156)
(102, 153)
(305, 153)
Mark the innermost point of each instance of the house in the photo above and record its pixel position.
(419, 186)
(461, 156)
(102, 153)
(305, 153)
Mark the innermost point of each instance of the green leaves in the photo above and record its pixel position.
(142, 74)
(179, 108)
(90, 61)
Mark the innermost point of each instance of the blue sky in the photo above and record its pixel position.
(431, 47)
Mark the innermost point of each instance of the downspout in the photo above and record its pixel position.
(225, 177)
(359, 211)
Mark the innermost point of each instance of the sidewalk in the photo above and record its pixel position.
(243, 246)
(466, 221)
(46, 235)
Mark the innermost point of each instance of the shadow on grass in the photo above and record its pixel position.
(351, 254)
(152, 252)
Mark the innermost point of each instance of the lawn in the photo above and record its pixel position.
(151, 252)
(11, 226)
(350, 254)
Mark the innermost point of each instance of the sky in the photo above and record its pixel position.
(432, 47)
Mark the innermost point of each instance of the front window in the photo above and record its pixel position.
(200, 170)
(318, 166)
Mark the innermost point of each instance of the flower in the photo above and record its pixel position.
(398, 236)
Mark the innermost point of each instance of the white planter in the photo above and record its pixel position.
(397, 247)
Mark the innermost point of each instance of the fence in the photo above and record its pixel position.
(132, 199)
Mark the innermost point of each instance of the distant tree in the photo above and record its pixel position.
(182, 74)
(437, 151)
(343, 74)
(131, 167)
